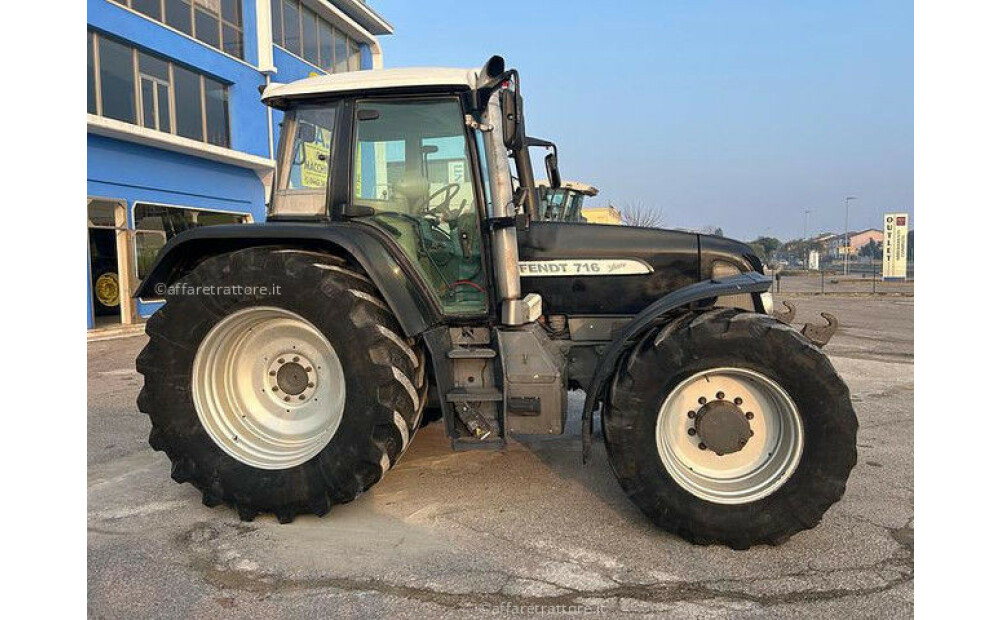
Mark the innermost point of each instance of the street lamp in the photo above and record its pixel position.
(805, 237)
(847, 242)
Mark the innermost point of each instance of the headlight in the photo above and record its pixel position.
(768, 302)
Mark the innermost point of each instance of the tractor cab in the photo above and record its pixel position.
(564, 203)
(420, 154)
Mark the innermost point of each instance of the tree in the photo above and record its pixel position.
(872, 249)
(766, 245)
(635, 213)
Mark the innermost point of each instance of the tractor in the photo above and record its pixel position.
(560, 200)
(405, 269)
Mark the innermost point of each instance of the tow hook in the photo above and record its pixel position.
(786, 316)
(819, 335)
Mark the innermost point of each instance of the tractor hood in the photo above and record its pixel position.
(598, 269)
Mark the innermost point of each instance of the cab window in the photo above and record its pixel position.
(412, 168)
(304, 170)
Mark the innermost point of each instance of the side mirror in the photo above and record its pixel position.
(513, 119)
(305, 133)
(552, 170)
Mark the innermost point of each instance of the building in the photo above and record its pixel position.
(176, 134)
(833, 244)
(602, 215)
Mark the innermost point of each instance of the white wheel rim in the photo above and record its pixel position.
(268, 387)
(767, 460)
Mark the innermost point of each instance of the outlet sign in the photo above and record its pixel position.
(894, 240)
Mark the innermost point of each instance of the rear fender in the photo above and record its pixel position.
(412, 304)
(750, 282)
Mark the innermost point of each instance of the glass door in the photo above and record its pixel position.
(412, 168)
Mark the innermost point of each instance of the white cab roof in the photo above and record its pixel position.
(583, 188)
(373, 80)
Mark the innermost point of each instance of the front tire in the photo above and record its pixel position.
(277, 380)
(730, 427)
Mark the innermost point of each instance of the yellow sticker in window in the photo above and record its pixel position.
(315, 165)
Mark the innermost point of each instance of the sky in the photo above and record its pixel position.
(736, 114)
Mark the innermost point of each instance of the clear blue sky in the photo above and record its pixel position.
(739, 114)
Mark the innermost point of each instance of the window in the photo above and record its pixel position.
(157, 224)
(148, 7)
(206, 26)
(412, 168)
(290, 27)
(310, 38)
(187, 89)
(340, 51)
(179, 15)
(325, 47)
(302, 32)
(216, 113)
(304, 167)
(276, 21)
(117, 80)
(218, 23)
(167, 97)
(91, 83)
(354, 61)
(154, 92)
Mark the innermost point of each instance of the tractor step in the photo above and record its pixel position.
(474, 394)
(462, 444)
(471, 353)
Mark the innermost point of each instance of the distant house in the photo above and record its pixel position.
(602, 215)
(860, 239)
(833, 243)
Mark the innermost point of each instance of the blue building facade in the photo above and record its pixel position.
(176, 134)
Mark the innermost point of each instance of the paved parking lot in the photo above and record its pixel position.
(511, 533)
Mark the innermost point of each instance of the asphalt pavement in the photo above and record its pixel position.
(524, 532)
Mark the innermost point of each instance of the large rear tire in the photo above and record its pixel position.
(730, 427)
(277, 380)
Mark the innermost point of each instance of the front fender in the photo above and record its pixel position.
(403, 290)
(750, 282)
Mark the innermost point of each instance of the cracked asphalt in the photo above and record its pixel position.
(518, 533)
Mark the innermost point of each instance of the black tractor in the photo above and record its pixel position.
(405, 271)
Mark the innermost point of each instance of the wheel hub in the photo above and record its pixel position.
(729, 435)
(722, 427)
(268, 387)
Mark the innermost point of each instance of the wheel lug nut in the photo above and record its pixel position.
(302, 397)
(749, 415)
(751, 432)
(274, 389)
(692, 414)
(720, 395)
(311, 385)
(738, 401)
(692, 432)
(702, 446)
(272, 373)
(309, 369)
(288, 398)
(702, 400)
(295, 359)
(281, 361)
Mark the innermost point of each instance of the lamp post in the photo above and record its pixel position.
(805, 237)
(847, 242)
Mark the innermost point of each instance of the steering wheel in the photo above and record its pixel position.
(450, 191)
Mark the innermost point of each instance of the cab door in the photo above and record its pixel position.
(413, 174)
